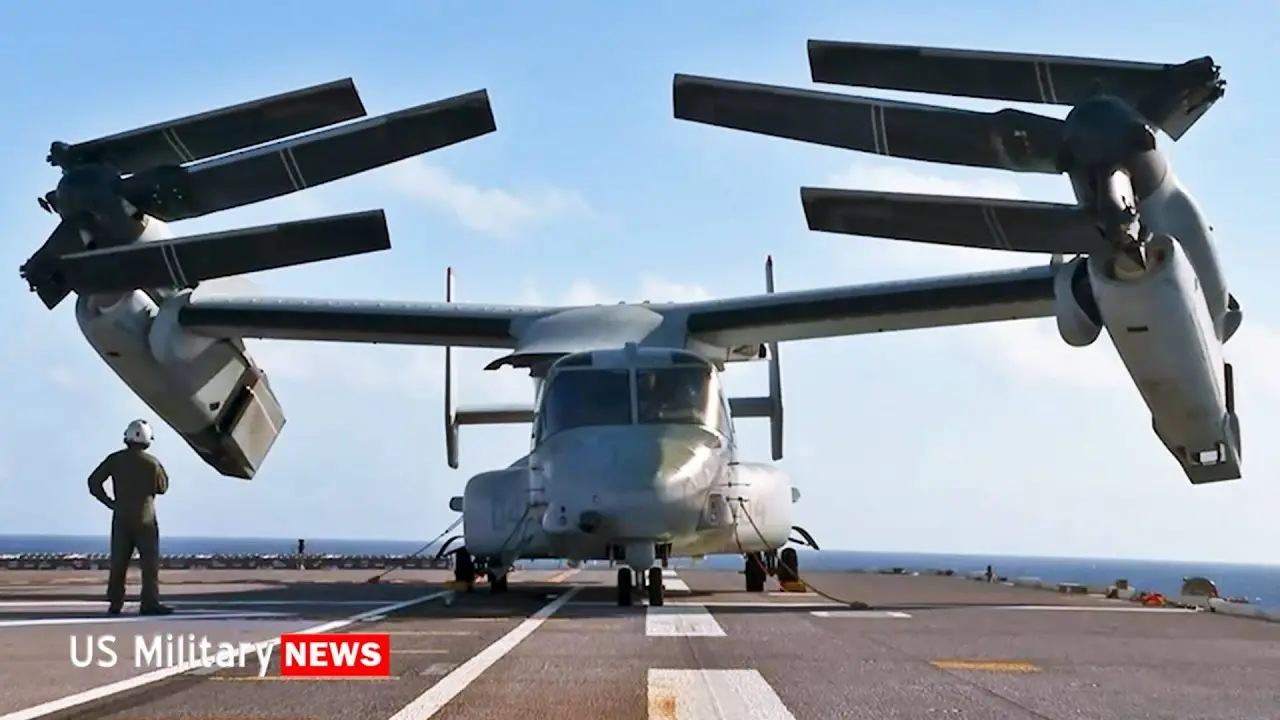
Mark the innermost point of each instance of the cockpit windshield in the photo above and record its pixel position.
(583, 398)
(679, 395)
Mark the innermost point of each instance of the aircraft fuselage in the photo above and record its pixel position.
(634, 457)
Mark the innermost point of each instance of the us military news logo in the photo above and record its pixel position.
(299, 655)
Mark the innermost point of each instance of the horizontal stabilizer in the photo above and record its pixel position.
(307, 161)
(1008, 139)
(184, 262)
(208, 134)
(1172, 97)
(1017, 225)
(494, 415)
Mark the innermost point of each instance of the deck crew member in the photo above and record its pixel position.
(137, 477)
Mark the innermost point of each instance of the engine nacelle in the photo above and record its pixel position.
(208, 390)
(495, 506)
(1074, 306)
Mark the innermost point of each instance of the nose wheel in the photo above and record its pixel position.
(656, 591)
(624, 587)
(497, 583)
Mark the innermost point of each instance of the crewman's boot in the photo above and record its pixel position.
(155, 609)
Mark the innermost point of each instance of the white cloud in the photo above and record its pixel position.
(896, 179)
(493, 211)
(651, 288)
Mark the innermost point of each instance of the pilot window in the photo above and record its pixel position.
(585, 398)
(677, 395)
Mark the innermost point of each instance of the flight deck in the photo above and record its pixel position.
(556, 646)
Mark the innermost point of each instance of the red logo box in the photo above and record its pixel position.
(355, 655)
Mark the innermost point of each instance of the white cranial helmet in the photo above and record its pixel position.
(138, 433)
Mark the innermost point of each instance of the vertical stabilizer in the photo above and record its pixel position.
(450, 402)
(769, 406)
(775, 378)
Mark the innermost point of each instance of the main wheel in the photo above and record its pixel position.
(464, 569)
(755, 573)
(788, 566)
(497, 584)
(624, 587)
(656, 591)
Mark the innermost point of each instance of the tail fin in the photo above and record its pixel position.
(450, 403)
(771, 405)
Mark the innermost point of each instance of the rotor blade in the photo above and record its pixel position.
(40, 270)
(1008, 139)
(1171, 96)
(1017, 77)
(996, 224)
(290, 165)
(197, 137)
(183, 262)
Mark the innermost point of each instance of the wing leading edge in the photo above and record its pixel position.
(873, 308)
(440, 324)
(728, 323)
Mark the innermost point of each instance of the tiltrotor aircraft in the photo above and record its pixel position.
(633, 456)
(1146, 268)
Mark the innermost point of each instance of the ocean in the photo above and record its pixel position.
(1260, 584)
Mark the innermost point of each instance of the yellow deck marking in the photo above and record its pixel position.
(562, 576)
(1009, 666)
(662, 706)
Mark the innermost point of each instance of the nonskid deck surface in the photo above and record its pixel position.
(931, 647)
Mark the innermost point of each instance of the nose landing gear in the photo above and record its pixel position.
(650, 582)
(624, 587)
(656, 591)
(497, 583)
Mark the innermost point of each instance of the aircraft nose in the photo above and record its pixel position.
(631, 487)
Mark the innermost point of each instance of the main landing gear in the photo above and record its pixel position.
(464, 569)
(497, 583)
(759, 566)
(650, 581)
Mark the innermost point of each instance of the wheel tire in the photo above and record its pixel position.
(497, 585)
(788, 565)
(464, 567)
(624, 587)
(755, 573)
(656, 591)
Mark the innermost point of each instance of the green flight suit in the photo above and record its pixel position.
(136, 478)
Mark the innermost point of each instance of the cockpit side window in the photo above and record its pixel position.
(585, 398)
(681, 395)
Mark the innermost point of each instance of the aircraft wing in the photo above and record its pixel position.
(1018, 225)
(405, 323)
(873, 308)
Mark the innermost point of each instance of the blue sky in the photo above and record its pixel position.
(995, 439)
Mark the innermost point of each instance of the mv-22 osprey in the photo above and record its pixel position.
(633, 453)
(1146, 268)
